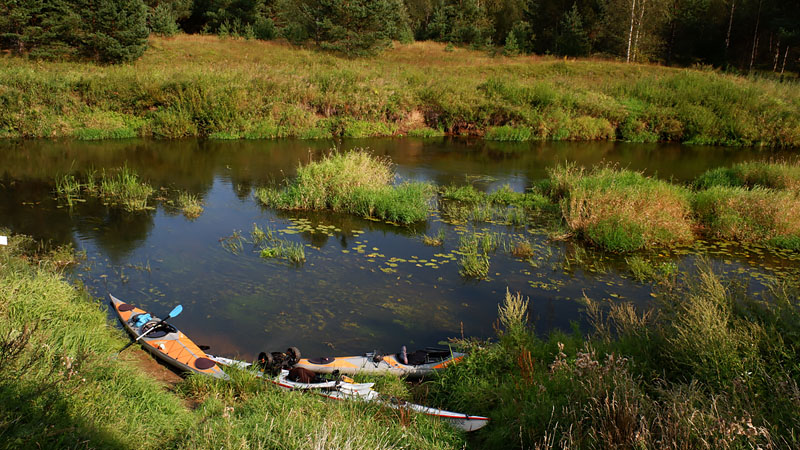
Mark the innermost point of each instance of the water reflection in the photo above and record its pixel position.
(368, 285)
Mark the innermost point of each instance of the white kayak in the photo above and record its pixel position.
(364, 392)
(282, 379)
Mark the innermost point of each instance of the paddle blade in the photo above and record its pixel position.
(175, 312)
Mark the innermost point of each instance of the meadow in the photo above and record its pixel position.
(225, 88)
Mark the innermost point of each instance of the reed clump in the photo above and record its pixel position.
(685, 374)
(620, 210)
(354, 182)
(190, 205)
(121, 187)
(751, 215)
(781, 175)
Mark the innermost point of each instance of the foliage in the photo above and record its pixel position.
(620, 210)
(354, 182)
(573, 40)
(105, 31)
(162, 20)
(685, 377)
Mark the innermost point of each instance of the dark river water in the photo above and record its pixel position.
(365, 285)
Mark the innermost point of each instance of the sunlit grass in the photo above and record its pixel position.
(190, 204)
(205, 86)
(355, 182)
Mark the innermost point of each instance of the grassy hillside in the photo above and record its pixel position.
(223, 88)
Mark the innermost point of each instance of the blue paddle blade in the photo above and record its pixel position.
(176, 311)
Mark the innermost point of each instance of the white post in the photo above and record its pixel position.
(3, 240)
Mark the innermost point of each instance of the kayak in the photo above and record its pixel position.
(420, 363)
(364, 392)
(282, 379)
(463, 422)
(166, 342)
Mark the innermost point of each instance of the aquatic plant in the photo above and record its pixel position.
(293, 252)
(233, 243)
(474, 249)
(755, 215)
(646, 269)
(434, 241)
(126, 189)
(355, 182)
(620, 210)
(521, 248)
(190, 204)
(766, 174)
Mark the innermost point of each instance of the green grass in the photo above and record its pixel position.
(120, 188)
(193, 85)
(190, 205)
(689, 376)
(64, 387)
(474, 249)
(773, 175)
(620, 210)
(758, 215)
(435, 241)
(354, 182)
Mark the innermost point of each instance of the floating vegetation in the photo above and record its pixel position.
(282, 248)
(124, 189)
(190, 205)
(233, 243)
(354, 182)
(434, 241)
(644, 269)
(521, 248)
(474, 249)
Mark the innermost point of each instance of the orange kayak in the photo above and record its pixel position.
(166, 342)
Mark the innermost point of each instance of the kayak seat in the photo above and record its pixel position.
(204, 363)
(414, 359)
(125, 307)
(321, 360)
(161, 330)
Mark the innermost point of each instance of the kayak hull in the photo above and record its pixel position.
(174, 348)
(364, 392)
(367, 364)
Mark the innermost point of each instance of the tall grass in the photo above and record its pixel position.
(63, 386)
(621, 210)
(752, 215)
(354, 182)
(772, 175)
(205, 86)
(689, 375)
(121, 187)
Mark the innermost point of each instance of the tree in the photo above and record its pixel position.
(573, 40)
(511, 48)
(352, 27)
(464, 22)
(162, 21)
(112, 30)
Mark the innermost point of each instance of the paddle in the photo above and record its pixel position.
(174, 313)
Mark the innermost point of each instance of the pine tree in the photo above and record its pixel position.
(511, 48)
(573, 40)
(113, 31)
(162, 21)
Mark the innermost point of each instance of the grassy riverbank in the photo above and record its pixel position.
(708, 368)
(63, 387)
(230, 89)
